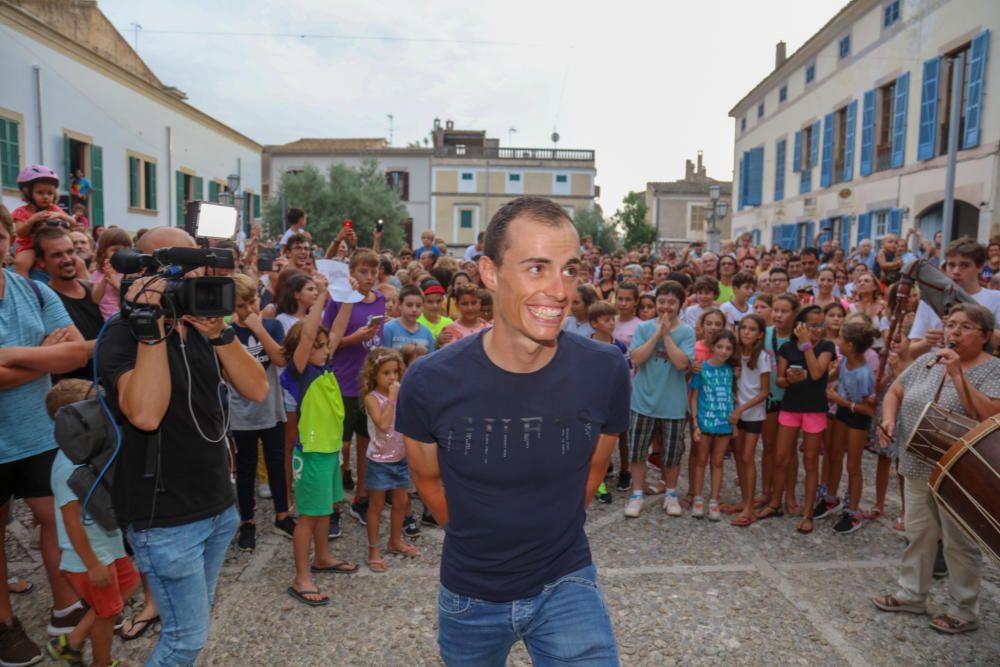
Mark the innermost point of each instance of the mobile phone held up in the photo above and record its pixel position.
(378, 226)
(376, 320)
(348, 225)
(265, 258)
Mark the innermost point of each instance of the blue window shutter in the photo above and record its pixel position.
(213, 191)
(199, 188)
(845, 233)
(864, 226)
(867, 132)
(805, 181)
(975, 71)
(810, 232)
(824, 232)
(779, 171)
(755, 237)
(814, 148)
(826, 169)
(899, 120)
(852, 118)
(928, 109)
(788, 236)
(797, 155)
(740, 198)
(755, 184)
(896, 221)
(97, 183)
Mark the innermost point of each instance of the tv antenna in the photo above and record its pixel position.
(389, 116)
(136, 28)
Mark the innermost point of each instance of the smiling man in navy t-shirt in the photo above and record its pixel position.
(518, 424)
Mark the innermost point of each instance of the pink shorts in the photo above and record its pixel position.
(810, 422)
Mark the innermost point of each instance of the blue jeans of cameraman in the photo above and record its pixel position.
(566, 624)
(182, 564)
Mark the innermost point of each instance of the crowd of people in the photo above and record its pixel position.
(749, 346)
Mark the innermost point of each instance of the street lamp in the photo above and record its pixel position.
(714, 214)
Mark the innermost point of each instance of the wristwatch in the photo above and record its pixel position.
(225, 337)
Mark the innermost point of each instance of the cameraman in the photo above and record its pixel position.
(172, 491)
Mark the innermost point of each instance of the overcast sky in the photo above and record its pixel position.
(645, 84)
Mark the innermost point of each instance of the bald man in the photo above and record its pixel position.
(172, 490)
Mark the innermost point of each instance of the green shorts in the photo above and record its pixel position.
(316, 481)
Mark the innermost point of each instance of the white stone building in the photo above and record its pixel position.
(75, 95)
(848, 135)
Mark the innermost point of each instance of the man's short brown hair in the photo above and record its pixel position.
(539, 209)
(967, 247)
(599, 309)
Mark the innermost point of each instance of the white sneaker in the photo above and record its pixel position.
(672, 504)
(698, 508)
(713, 511)
(633, 507)
(263, 490)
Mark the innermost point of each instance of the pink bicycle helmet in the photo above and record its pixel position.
(37, 172)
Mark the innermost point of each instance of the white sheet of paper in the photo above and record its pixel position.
(338, 274)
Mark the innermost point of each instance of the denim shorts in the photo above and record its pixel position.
(387, 476)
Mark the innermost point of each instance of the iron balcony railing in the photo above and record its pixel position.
(505, 153)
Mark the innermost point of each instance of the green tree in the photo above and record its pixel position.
(361, 195)
(591, 222)
(631, 217)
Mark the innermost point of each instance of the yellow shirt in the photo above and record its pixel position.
(442, 322)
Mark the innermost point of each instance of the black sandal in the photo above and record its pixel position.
(141, 623)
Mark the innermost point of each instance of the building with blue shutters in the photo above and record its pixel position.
(852, 143)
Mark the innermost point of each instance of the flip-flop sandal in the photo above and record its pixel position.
(19, 586)
(893, 604)
(874, 514)
(793, 509)
(769, 512)
(340, 567)
(805, 531)
(301, 597)
(656, 489)
(742, 521)
(899, 524)
(408, 551)
(376, 565)
(141, 623)
(948, 624)
(728, 508)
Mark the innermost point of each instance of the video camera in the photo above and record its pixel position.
(206, 296)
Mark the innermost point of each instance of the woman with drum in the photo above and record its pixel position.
(965, 378)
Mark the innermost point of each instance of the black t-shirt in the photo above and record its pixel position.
(190, 473)
(808, 395)
(86, 315)
(514, 451)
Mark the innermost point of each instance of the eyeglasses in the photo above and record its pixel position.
(951, 326)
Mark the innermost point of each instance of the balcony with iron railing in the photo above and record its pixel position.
(506, 153)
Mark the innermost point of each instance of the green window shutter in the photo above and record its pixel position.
(97, 183)
(10, 152)
(213, 191)
(151, 186)
(133, 182)
(199, 188)
(256, 206)
(466, 219)
(179, 212)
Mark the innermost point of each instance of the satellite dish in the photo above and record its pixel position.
(555, 137)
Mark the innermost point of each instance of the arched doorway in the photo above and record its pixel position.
(965, 222)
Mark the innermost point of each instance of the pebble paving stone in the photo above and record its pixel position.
(680, 592)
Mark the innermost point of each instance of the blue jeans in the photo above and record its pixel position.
(182, 564)
(566, 624)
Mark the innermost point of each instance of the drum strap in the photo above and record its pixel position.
(965, 391)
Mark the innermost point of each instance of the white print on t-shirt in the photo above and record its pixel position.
(462, 433)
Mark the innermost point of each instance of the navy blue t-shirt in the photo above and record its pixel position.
(514, 451)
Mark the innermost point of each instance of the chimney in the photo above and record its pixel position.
(688, 170)
(701, 168)
(779, 55)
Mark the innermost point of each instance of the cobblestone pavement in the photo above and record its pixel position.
(680, 591)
